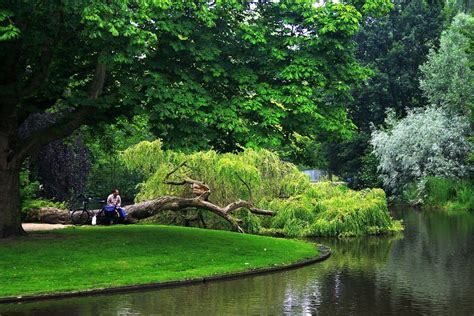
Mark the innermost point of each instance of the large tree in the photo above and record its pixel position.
(448, 79)
(234, 73)
(393, 47)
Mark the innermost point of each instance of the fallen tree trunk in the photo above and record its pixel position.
(147, 209)
(174, 203)
(48, 215)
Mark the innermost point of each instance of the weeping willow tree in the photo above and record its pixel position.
(241, 187)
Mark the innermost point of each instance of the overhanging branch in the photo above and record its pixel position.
(66, 125)
(61, 129)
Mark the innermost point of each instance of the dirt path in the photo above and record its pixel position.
(32, 227)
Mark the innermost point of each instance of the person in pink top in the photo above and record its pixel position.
(114, 200)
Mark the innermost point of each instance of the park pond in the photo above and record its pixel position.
(428, 269)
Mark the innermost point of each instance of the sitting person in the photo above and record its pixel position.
(113, 203)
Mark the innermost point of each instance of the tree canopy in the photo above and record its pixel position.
(448, 79)
(225, 74)
(393, 47)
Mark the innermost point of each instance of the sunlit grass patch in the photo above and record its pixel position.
(100, 257)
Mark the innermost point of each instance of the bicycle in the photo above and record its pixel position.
(83, 216)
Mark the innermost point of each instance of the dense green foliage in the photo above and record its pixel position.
(393, 47)
(108, 170)
(235, 71)
(303, 209)
(28, 188)
(101, 257)
(328, 210)
(29, 194)
(448, 80)
(261, 79)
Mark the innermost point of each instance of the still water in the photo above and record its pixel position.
(427, 270)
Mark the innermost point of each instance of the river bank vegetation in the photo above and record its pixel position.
(443, 193)
(100, 257)
(426, 157)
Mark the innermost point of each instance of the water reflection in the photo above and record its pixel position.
(427, 270)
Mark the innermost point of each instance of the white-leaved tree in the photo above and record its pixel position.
(448, 75)
(427, 142)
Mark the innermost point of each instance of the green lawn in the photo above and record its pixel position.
(99, 257)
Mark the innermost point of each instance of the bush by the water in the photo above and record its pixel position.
(427, 143)
(445, 193)
(329, 210)
(303, 209)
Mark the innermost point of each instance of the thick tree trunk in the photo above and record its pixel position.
(10, 217)
(13, 151)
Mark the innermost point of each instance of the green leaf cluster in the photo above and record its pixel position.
(108, 170)
(244, 74)
(8, 30)
(29, 194)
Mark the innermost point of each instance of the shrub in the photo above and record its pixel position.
(39, 203)
(328, 210)
(426, 143)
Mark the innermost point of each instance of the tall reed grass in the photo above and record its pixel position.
(449, 194)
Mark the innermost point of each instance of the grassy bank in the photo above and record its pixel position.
(100, 257)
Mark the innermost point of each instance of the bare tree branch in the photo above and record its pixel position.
(175, 169)
(247, 185)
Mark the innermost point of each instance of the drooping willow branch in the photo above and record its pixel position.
(201, 192)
